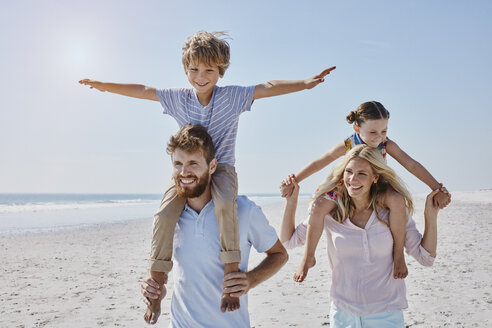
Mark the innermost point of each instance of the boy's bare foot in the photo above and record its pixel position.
(306, 264)
(400, 270)
(229, 303)
(154, 308)
(153, 311)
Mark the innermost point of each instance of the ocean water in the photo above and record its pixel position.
(33, 213)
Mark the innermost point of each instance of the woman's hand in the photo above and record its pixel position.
(431, 209)
(294, 195)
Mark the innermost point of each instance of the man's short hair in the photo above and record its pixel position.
(191, 138)
(205, 47)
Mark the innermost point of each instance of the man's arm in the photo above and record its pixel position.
(239, 283)
(129, 90)
(281, 87)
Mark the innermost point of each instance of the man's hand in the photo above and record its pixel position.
(317, 79)
(236, 283)
(150, 290)
(93, 84)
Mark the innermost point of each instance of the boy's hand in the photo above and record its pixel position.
(93, 84)
(317, 79)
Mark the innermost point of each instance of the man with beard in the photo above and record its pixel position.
(198, 272)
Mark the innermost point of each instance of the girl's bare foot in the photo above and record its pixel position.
(400, 270)
(306, 264)
(229, 303)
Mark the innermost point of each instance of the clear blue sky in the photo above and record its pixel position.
(428, 62)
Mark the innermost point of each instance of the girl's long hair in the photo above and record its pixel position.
(387, 180)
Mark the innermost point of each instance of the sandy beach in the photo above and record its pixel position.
(90, 277)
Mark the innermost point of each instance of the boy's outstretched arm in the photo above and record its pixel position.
(130, 90)
(281, 87)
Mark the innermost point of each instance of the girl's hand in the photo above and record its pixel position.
(286, 190)
(442, 198)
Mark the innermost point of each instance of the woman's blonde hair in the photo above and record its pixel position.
(387, 180)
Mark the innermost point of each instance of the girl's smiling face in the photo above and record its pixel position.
(372, 132)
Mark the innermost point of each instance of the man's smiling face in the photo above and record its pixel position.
(191, 173)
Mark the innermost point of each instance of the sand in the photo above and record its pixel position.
(91, 277)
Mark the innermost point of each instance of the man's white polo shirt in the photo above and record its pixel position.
(198, 272)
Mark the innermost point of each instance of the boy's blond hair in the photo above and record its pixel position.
(207, 48)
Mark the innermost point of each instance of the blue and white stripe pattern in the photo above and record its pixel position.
(220, 117)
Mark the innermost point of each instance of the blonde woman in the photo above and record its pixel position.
(360, 244)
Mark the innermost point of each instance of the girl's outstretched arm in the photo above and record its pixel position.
(441, 199)
(286, 187)
(322, 162)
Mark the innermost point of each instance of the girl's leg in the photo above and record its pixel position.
(161, 252)
(397, 222)
(224, 195)
(320, 208)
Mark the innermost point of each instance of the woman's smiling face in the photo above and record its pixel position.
(358, 178)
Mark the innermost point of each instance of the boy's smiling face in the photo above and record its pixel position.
(203, 77)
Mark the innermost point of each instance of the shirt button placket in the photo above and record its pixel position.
(365, 245)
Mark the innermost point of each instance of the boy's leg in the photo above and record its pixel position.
(397, 222)
(320, 208)
(160, 263)
(224, 195)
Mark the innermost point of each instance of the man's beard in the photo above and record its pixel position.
(193, 192)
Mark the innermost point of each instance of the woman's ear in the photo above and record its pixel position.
(376, 178)
(356, 127)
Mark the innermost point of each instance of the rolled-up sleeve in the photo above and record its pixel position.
(413, 247)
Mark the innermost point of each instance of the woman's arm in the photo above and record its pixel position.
(423, 248)
(287, 226)
(429, 240)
